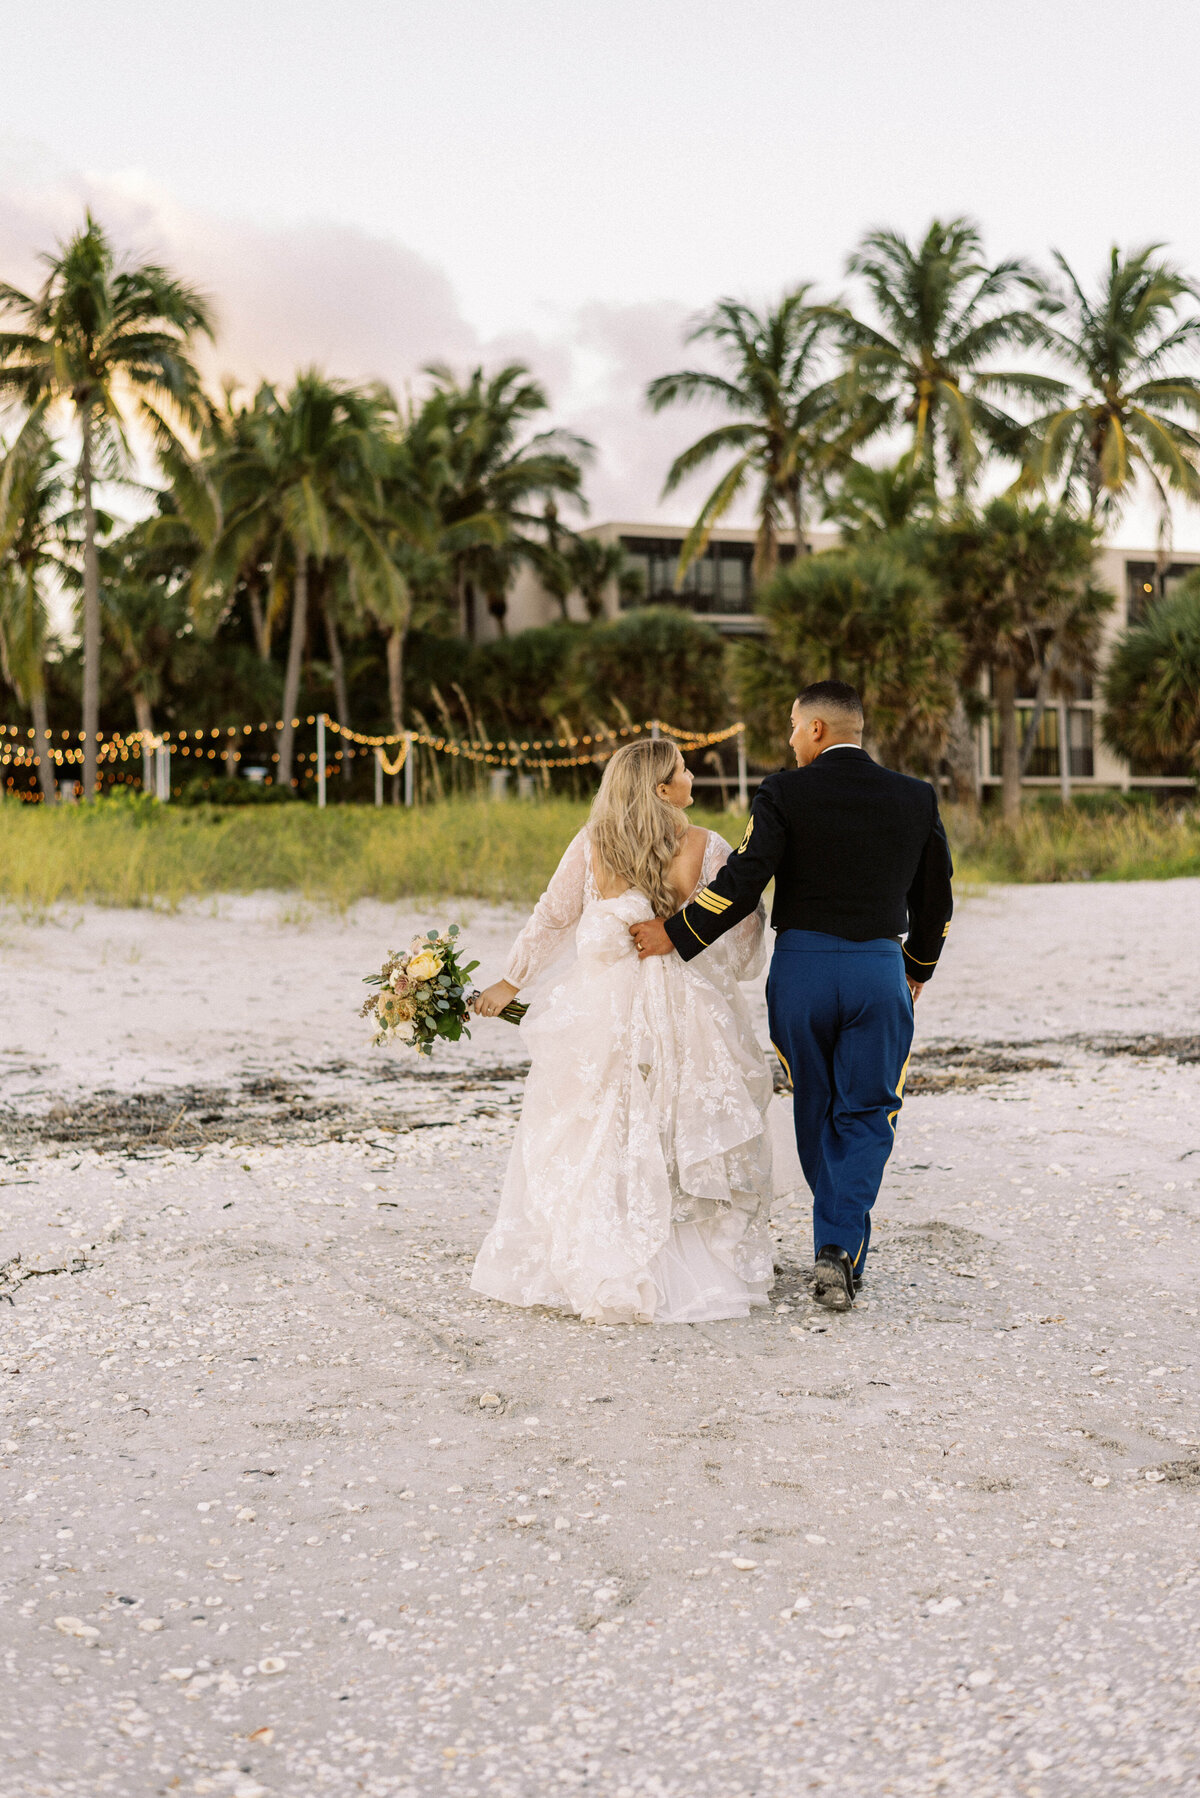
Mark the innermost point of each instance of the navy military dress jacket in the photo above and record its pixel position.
(855, 850)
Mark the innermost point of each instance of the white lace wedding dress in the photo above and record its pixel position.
(640, 1180)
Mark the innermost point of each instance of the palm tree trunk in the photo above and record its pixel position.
(796, 506)
(962, 756)
(143, 711)
(395, 673)
(258, 620)
(91, 614)
(1010, 747)
(766, 553)
(291, 679)
(41, 736)
(337, 663)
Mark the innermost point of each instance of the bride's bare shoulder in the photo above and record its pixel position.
(688, 862)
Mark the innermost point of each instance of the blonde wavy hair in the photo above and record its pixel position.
(635, 834)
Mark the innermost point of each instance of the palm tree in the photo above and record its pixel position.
(881, 502)
(942, 314)
(594, 566)
(495, 479)
(864, 615)
(790, 425)
(37, 545)
(1132, 404)
(1017, 588)
(110, 344)
(419, 493)
(300, 483)
(145, 575)
(1152, 685)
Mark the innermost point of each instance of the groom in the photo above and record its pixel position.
(859, 857)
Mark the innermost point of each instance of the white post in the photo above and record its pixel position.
(321, 761)
(408, 770)
(379, 777)
(1064, 752)
(162, 772)
(147, 765)
(654, 730)
(743, 785)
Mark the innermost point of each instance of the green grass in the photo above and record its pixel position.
(130, 852)
(1048, 843)
(133, 852)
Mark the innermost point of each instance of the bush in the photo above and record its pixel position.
(521, 684)
(216, 789)
(651, 663)
(655, 663)
(866, 616)
(1152, 687)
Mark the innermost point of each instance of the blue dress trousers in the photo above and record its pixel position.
(841, 1020)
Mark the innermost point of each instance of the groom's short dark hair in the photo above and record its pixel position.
(831, 695)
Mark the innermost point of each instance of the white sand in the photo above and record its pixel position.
(946, 1491)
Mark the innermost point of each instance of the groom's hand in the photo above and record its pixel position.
(916, 988)
(651, 938)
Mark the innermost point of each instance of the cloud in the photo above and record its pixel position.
(365, 307)
(618, 350)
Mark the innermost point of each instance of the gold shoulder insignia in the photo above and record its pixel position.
(746, 838)
(946, 932)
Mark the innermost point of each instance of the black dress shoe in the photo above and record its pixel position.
(834, 1285)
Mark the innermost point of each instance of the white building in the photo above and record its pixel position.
(718, 588)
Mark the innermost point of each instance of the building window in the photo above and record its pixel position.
(1043, 760)
(1141, 585)
(718, 581)
(1080, 725)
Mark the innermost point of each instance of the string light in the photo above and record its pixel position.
(504, 754)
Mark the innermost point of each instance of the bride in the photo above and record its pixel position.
(640, 1179)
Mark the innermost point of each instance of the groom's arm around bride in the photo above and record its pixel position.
(860, 860)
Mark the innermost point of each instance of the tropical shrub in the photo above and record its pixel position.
(1152, 686)
(866, 616)
(653, 662)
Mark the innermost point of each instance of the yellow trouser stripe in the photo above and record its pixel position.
(787, 1070)
(893, 1115)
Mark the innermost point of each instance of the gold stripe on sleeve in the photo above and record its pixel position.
(694, 931)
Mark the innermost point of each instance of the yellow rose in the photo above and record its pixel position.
(424, 966)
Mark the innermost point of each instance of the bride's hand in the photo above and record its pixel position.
(491, 1002)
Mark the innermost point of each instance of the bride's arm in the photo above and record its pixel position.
(554, 916)
(743, 945)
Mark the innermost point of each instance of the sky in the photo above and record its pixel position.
(372, 187)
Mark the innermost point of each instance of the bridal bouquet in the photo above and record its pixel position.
(423, 993)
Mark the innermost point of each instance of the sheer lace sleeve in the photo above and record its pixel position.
(555, 914)
(743, 946)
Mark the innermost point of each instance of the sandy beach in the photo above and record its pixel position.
(285, 1510)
